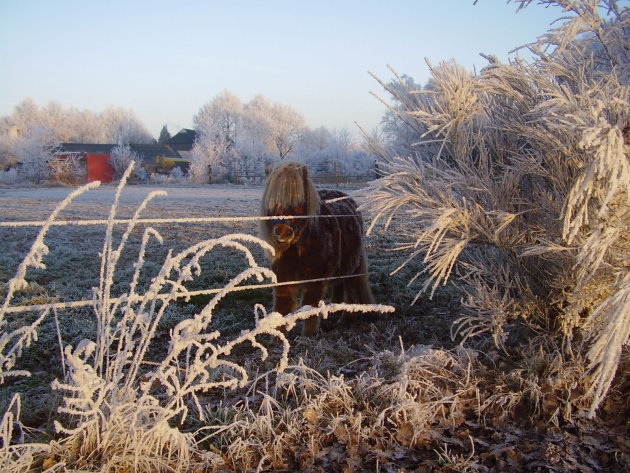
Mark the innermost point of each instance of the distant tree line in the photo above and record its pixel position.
(32, 133)
(236, 141)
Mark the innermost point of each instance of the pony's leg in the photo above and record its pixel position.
(350, 297)
(285, 299)
(357, 291)
(313, 293)
(338, 297)
(342, 294)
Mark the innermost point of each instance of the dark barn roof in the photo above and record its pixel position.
(183, 140)
(148, 153)
(85, 148)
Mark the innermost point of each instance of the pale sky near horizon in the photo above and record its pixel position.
(166, 59)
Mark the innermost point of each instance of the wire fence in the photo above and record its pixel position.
(162, 296)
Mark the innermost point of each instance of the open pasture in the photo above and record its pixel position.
(73, 269)
(418, 403)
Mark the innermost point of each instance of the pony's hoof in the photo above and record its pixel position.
(310, 327)
(309, 331)
(347, 320)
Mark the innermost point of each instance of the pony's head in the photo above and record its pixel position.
(289, 191)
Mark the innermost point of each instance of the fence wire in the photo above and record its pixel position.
(123, 221)
(163, 296)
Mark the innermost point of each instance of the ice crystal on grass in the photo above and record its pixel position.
(324, 422)
(13, 342)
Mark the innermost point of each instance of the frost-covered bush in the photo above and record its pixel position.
(177, 175)
(35, 170)
(521, 188)
(71, 171)
(120, 159)
(10, 176)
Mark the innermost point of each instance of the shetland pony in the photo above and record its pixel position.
(326, 244)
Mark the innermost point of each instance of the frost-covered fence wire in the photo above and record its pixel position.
(137, 298)
(127, 221)
(149, 221)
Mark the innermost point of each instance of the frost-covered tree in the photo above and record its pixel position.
(121, 126)
(251, 135)
(120, 159)
(331, 152)
(287, 126)
(217, 124)
(29, 137)
(525, 200)
(241, 139)
(208, 161)
(398, 128)
(219, 119)
(255, 140)
(32, 133)
(29, 140)
(68, 124)
(314, 149)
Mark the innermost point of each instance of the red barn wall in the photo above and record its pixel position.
(98, 168)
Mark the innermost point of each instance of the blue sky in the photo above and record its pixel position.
(165, 59)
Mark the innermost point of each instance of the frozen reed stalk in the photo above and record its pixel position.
(16, 455)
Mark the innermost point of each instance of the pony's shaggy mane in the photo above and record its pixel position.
(289, 187)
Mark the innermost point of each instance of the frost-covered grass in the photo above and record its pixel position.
(359, 399)
(146, 378)
(122, 390)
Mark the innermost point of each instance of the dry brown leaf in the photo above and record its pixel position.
(342, 433)
(405, 434)
(49, 463)
(311, 415)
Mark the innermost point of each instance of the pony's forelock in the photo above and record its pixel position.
(289, 187)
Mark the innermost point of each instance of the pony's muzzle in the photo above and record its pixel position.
(283, 233)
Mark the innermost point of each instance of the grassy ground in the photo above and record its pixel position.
(476, 416)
